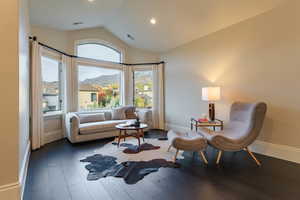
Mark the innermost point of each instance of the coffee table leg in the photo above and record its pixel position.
(125, 135)
(120, 134)
(142, 131)
(139, 141)
(137, 135)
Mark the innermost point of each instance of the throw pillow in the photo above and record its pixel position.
(130, 112)
(91, 117)
(118, 113)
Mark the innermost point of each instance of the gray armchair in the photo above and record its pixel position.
(246, 120)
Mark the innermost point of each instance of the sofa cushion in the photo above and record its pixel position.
(107, 115)
(96, 127)
(91, 117)
(118, 113)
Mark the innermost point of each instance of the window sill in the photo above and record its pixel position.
(53, 114)
(143, 109)
(96, 111)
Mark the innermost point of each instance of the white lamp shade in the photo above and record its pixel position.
(211, 93)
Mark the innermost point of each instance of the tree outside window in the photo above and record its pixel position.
(99, 88)
(143, 89)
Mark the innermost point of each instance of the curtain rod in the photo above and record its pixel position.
(34, 38)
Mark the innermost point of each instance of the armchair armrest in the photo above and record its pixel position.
(145, 115)
(221, 140)
(72, 126)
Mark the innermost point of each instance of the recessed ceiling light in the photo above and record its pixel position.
(77, 23)
(153, 21)
(130, 36)
(91, 1)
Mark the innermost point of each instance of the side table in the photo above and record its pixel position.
(216, 123)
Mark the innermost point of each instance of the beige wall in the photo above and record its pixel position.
(95, 33)
(53, 128)
(141, 56)
(14, 74)
(65, 41)
(23, 81)
(52, 37)
(255, 60)
(9, 77)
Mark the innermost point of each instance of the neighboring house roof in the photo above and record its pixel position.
(47, 95)
(87, 88)
(50, 88)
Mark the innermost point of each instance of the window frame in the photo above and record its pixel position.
(102, 43)
(140, 68)
(93, 96)
(104, 65)
(57, 57)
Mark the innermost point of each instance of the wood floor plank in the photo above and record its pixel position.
(79, 192)
(97, 191)
(56, 173)
(134, 191)
(37, 177)
(57, 185)
(115, 192)
(155, 191)
(76, 179)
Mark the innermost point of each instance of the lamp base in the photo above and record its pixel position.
(211, 110)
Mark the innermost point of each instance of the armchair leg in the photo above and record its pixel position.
(175, 157)
(203, 157)
(219, 157)
(253, 156)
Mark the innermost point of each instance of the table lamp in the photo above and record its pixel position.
(211, 94)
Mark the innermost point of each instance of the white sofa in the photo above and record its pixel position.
(87, 126)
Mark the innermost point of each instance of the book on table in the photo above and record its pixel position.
(203, 120)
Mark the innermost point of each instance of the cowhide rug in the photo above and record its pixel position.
(110, 160)
(133, 149)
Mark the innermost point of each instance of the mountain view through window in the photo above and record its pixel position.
(99, 88)
(143, 89)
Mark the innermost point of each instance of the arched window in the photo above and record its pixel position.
(98, 51)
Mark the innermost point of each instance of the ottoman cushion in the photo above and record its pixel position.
(188, 141)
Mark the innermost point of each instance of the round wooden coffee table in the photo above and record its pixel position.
(137, 132)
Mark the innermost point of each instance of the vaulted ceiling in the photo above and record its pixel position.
(178, 21)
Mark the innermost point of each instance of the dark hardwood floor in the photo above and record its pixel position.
(55, 173)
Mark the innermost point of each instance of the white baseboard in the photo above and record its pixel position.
(53, 136)
(15, 191)
(24, 168)
(283, 152)
(10, 191)
(176, 127)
